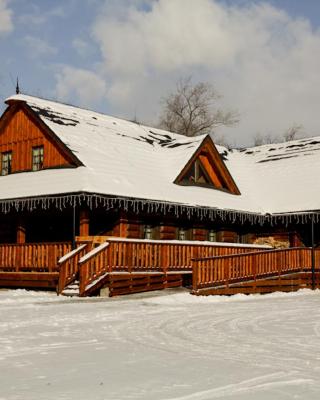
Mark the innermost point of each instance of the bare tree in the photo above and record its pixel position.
(292, 132)
(259, 140)
(191, 111)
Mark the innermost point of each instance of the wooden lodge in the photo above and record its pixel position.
(93, 204)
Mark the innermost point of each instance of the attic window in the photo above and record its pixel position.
(197, 175)
(37, 158)
(6, 159)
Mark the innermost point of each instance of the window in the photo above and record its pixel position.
(212, 235)
(147, 232)
(37, 158)
(197, 175)
(6, 159)
(184, 233)
(151, 232)
(243, 238)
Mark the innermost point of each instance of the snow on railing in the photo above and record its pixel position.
(189, 242)
(72, 253)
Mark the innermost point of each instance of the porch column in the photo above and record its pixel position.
(21, 232)
(84, 223)
(123, 224)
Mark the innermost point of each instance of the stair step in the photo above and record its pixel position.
(70, 292)
(72, 289)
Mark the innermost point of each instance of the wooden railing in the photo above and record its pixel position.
(32, 257)
(223, 270)
(92, 266)
(137, 255)
(69, 266)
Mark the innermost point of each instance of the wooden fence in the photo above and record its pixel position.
(227, 269)
(32, 257)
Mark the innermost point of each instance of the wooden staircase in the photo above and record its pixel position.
(71, 290)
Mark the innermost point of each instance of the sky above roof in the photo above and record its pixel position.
(123, 56)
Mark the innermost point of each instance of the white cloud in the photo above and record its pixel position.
(87, 87)
(38, 16)
(265, 62)
(38, 47)
(6, 24)
(82, 47)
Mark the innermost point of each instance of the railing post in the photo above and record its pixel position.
(195, 270)
(312, 255)
(62, 277)
(83, 273)
(164, 258)
(18, 257)
(227, 272)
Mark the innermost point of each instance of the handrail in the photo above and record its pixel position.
(92, 265)
(72, 253)
(188, 242)
(87, 257)
(69, 267)
(250, 253)
(226, 269)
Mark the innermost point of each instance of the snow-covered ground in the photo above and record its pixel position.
(168, 345)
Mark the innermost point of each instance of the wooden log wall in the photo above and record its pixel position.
(227, 236)
(168, 232)
(199, 234)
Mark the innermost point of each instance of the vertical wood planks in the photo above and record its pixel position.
(252, 265)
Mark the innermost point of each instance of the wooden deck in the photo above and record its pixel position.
(123, 265)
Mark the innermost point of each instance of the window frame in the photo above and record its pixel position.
(212, 234)
(37, 159)
(6, 163)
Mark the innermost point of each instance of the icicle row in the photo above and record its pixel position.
(149, 206)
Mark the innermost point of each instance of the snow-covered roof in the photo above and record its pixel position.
(126, 159)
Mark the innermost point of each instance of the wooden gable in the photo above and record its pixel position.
(206, 168)
(21, 130)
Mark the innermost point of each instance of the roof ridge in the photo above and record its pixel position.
(60, 103)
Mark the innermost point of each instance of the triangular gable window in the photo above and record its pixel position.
(206, 168)
(196, 174)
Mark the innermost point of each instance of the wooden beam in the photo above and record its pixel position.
(21, 232)
(123, 224)
(84, 223)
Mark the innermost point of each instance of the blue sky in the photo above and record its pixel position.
(123, 56)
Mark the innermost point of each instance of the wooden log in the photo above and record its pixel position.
(84, 223)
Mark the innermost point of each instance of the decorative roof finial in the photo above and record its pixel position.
(17, 87)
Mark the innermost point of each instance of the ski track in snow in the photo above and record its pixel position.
(163, 346)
